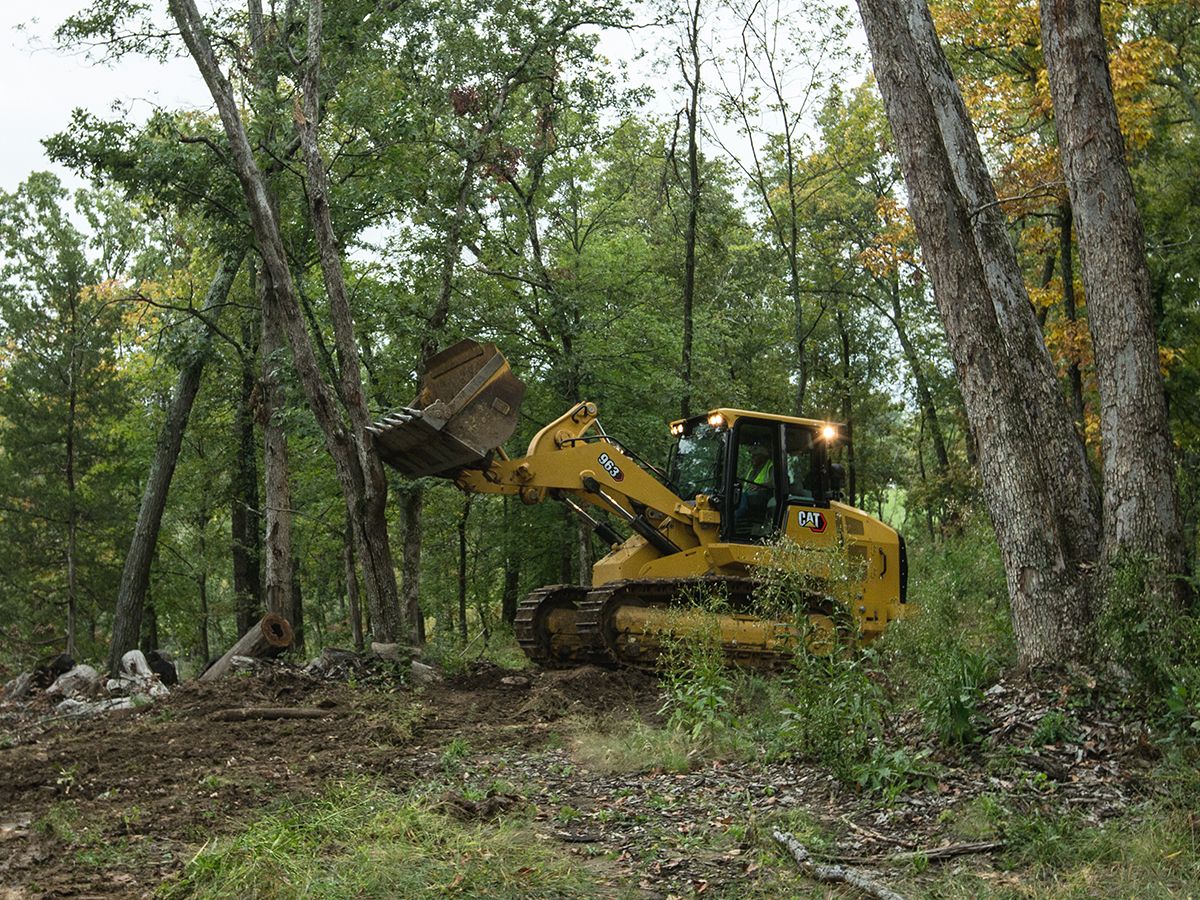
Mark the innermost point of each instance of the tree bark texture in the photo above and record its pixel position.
(691, 76)
(269, 637)
(135, 576)
(1141, 512)
(244, 516)
(277, 491)
(1074, 502)
(414, 500)
(352, 601)
(359, 471)
(1044, 547)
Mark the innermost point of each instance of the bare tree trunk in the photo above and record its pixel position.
(72, 505)
(583, 533)
(277, 499)
(924, 396)
(1141, 511)
(351, 577)
(847, 410)
(135, 576)
(202, 518)
(690, 67)
(359, 471)
(296, 608)
(246, 541)
(414, 500)
(463, 518)
(1074, 376)
(1028, 474)
(512, 569)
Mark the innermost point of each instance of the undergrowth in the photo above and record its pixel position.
(358, 839)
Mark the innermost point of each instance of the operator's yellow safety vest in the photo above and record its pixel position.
(763, 475)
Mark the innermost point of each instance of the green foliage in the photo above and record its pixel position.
(957, 637)
(1142, 631)
(360, 840)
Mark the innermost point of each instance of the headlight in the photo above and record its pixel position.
(829, 433)
(716, 420)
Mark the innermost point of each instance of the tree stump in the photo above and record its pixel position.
(270, 637)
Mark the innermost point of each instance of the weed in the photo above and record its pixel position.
(360, 840)
(1054, 727)
(456, 751)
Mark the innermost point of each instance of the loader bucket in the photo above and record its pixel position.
(467, 407)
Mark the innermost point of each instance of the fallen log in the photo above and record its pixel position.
(248, 713)
(270, 637)
(933, 854)
(831, 874)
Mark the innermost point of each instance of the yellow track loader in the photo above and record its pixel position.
(736, 481)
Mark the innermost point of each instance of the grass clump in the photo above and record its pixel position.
(360, 840)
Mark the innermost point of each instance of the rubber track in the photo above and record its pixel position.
(525, 625)
(598, 606)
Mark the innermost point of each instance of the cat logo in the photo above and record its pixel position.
(812, 520)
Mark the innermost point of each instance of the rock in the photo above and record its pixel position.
(81, 683)
(47, 672)
(394, 652)
(18, 689)
(72, 707)
(163, 666)
(423, 674)
(515, 680)
(244, 662)
(134, 664)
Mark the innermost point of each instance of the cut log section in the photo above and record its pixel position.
(270, 637)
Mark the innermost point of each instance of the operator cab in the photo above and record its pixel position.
(753, 466)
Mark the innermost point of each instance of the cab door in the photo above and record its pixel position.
(755, 482)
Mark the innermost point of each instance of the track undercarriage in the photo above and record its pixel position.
(633, 622)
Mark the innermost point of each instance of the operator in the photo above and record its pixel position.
(759, 483)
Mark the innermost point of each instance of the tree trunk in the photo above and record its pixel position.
(974, 274)
(135, 576)
(924, 396)
(462, 568)
(150, 632)
(277, 547)
(847, 410)
(691, 77)
(512, 569)
(246, 541)
(364, 480)
(360, 474)
(268, 638)
(296, 608)
(202, 580)
(583, 533)
(1141, 511)
(1074, 503)
(351, 576)
(1074, 376)
(414, 499)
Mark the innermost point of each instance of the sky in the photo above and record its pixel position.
(43, 86)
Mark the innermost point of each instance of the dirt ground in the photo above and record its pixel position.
(141, 790)
(116, 804)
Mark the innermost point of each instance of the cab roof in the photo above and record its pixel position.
(731, 415)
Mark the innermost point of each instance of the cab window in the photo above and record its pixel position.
(756, 477)
(802, 472)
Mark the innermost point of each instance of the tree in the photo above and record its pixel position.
(135, 576)
(1141, 514)
(61, 382)
(359, 470)
(1035, 480)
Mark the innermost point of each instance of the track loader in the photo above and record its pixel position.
(735, 482)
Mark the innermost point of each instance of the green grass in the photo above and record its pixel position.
(358, 840)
